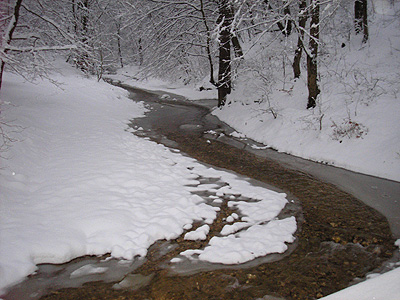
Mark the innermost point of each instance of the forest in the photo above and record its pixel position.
(221, 39)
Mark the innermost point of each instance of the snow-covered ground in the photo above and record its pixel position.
(76, 181)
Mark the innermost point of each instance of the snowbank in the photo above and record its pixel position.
(131, 75)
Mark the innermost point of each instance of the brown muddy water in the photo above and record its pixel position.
(340, 238)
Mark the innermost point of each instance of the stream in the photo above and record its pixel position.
(340, 241)
(194, 118)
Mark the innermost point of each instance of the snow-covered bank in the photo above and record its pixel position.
(375, 151)
(78, 182)
(133, 76)
(356, 122)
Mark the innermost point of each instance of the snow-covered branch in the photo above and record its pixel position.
(57, 26)
(36, 49)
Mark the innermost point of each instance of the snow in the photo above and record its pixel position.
(232, 217)
(256, 241)
(256, 234)
(87, 270)
(131, 75)
(78, 182)
(382, 287)
(198, 234)
(383, 6)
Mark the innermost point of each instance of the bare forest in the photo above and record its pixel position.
(182, 40)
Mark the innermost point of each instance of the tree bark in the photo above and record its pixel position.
(118, 25)
(299, 48)
(361, 18)
(312, 70)
(208, 47)
(286, 27)
(236, 46)
(140, 52)
(224, 73)
(74, 17)
(8, 34)
(82, 18)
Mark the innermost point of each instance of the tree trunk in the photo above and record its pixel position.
(236, 46)
(361, 18)
(299, 48)
(1, 72)
(140, 52)
(208, 47)
(118, 25)
(224, 73)
(74, 17)
(286, 27)
(82, 21)
(312, 71)
(8, 33)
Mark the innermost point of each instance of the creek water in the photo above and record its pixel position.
(170, 114)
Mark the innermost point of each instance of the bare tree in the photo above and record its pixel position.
(361, 18)
(30, 33)
(300, 31)
(97, 28)
(312, 66)
(177, 38)
(7, 35)
(224, 74)
(208, 42)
